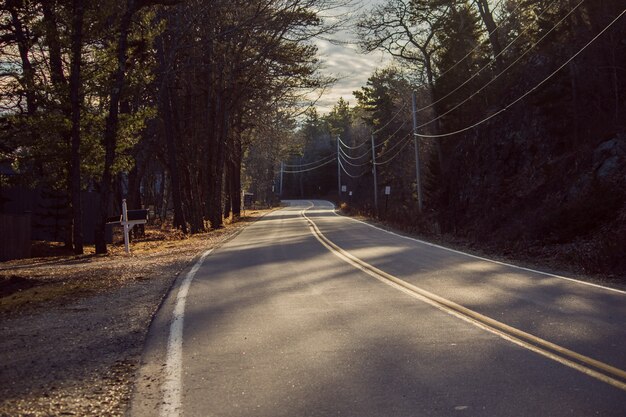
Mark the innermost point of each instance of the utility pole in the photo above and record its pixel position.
(338, 172)
(375, 180)
(417, 155)
(280, 189)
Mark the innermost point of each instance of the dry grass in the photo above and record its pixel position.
(73, 327)
(56, 275)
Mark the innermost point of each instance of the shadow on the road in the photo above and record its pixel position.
(309, 336)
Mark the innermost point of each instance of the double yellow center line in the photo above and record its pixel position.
(589, 366)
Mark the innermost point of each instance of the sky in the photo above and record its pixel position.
(346, 63)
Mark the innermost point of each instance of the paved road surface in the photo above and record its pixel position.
(277, 323)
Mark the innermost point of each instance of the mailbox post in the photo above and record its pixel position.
(387, 192)
(129, 219)
(125, 225)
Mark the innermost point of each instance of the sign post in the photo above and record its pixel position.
(387, 192)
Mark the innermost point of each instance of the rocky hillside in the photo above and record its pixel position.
(527, 187)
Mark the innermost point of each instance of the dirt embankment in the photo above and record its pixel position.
(72, 328)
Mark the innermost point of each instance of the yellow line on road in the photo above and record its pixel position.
(610, 374)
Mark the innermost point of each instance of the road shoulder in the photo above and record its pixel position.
(79, 355)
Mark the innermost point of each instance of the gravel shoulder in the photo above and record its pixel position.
(72, 329)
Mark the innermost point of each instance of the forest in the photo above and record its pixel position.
(141, 98)
(518, 116)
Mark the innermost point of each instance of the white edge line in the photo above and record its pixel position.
(481, 258)
(172, 384)
(511, 338)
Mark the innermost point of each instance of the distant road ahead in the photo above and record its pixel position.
(307, 313)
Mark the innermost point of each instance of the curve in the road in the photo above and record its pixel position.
(521, 268)
(589, 366)
(174, 356)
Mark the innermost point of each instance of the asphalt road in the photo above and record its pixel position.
(298, 316)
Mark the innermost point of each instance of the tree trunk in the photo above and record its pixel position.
(166, 196)
(216, 168)
(59, 84)
(235, 197)
(133, 196)
(170, 123)
(112, 121)
(75, 104)
(196, 220)
(228, 185)
(23, 47)
(431, 89)
(52, 37)
(494, 39)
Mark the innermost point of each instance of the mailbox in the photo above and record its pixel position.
(115, 220)
(138, 216)
(133, 217)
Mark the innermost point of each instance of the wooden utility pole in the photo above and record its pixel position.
(282, 169)
(375, 179)
(417, 155)
(338, 172)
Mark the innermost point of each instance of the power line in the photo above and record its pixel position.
(348, 146)
(523, 96)
(309, 169)
(399, 150)
(493, 60)
(503, 71)
(390, 136)
(390, 120)
(353, 158)
(347, 158)
(348, 174)
(395, 145)
(309, 163)
(352, 164)
(486, 41)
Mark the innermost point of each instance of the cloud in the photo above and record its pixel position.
(344, 62)
(351, 68)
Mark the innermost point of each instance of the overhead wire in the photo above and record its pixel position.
(348, 146)
(347, 158)
(501, 72)
(354, 158)
(353, 164)
(406, 142)
(390, 136)
(395, 145)
(502, 110)
(308, 169)
(348, 174)
(309, 163)
(390, 120)
(343, 157)
(498, 26)
(445, 72)
(492, 61)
